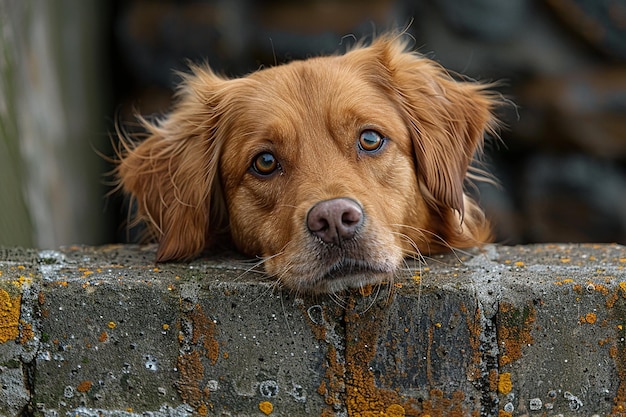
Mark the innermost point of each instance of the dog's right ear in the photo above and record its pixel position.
(173, 175)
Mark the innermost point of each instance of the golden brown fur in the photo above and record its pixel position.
(192, 178)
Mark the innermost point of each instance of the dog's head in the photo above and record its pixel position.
(332, 169)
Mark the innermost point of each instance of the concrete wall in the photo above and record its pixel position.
(510, 331)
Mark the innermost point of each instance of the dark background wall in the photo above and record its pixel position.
(562, 158)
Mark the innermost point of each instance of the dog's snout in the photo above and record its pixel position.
(335, 220)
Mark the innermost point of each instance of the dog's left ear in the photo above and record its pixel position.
(447, 119)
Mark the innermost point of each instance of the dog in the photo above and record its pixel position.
(332, 169)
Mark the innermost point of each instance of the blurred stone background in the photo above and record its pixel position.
(69, 70)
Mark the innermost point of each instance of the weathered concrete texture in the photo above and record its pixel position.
(508, 331)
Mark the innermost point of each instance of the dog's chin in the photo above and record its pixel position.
(342, 275)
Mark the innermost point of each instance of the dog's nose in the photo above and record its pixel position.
(335, 220)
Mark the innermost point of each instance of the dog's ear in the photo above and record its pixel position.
(173, 175)
(447, 118)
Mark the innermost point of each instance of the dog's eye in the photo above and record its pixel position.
(370, 141)
(265, 164)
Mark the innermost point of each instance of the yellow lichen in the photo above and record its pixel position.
(266, 407)
(504, 383)
(21, 281)
(395, 410)
(111, 325)
(9, 316)
(589, 318)
(203, 410)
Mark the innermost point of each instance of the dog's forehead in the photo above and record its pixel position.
(311, 103)
(314, 81)
(310, 92)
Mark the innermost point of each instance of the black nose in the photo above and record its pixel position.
(335, 220)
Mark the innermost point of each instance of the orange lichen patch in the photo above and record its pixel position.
(191, 371)
(333, 386)
(504, 383)
(104, 336)
(363, 395)
(502, 413)
(493, 380)
(203, 410)
(602, 289)
(204, 333)
(349, 378)
(589, 318)
(26, 332)
(266, 407)
(612, 299)
(564, 281)
(514, 327)
(366, 290)
(84, 386)
(619, 357)
(473, 325)
(395, 410)
(9, 316)
(165, 326)
(519, 264)
(189, 382)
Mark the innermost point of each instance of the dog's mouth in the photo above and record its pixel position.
(350, 267)
(347, 273)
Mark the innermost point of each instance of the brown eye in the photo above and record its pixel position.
(265, 164)
(371, 141)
